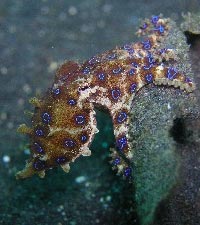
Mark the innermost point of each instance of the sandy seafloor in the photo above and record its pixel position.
(35, 37)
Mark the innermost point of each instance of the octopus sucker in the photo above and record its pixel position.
(63, 124)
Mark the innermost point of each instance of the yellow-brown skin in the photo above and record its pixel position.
(108, 80)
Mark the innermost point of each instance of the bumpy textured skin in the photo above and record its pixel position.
(64, 124)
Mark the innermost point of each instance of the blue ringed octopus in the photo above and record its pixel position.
(64, 123)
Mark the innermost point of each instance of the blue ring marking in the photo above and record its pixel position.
(112, 56)
(160, 29)
(61, 160)
(101, 76)
(127, 172)
(149, 77)
(38, 148)
(117, 70)
(86, 70)
(163, 50)
(83, 138)
(133, 87)
(69, 143)
(56, 91)
(146, 44)
(80, 119)
(121, 117)
(131, 71)
(46, 118)
(188, 80)
(39, 132)
(93, 60)
(147, 67)
(151, 58)
(144, 26)
(127, 47)
(171, 73)
(115, 93)
(116, 161)
(154, 19)
(135, 64)
(131, 51)
(39, 164)
(122, 143)
(72, 102)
